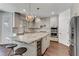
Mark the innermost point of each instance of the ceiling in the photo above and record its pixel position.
(45, 9)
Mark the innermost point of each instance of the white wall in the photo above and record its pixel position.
(64, 23)
(75, 9)
(45, 21)
(0, 25)
(6, 27)
(54, 21)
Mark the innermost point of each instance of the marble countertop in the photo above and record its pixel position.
(30, 37)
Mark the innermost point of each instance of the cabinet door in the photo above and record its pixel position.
(64, 27)
(44, 44)
(48, 41)
(19, 23)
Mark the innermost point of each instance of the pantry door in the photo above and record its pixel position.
(64, 27)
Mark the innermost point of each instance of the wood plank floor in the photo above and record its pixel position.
(57, 49)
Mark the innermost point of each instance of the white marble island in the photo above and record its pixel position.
(29, 40)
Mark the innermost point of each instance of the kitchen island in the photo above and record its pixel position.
(36, 43)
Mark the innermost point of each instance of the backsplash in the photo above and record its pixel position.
(44, 25)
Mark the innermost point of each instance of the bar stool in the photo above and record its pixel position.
(20, 51)
(4, 51)
(10, 46)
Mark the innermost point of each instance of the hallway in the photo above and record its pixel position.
(57, 49)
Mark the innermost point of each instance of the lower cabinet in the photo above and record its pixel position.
(45, 43)
(42, 45)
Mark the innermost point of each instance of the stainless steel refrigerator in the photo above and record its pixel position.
(74, 42)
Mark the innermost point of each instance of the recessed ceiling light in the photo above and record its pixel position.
(52, 13)
(24, 10)
(38, 8)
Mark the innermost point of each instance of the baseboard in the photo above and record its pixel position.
(54, 41)
(64, 44)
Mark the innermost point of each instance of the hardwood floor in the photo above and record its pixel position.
(57, 49)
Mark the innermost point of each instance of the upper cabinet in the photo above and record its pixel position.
(54, 21)
(18, 22)
(75, 10)
(18, 19)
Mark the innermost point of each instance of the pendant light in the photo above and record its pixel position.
(37, 19)
(29, 18)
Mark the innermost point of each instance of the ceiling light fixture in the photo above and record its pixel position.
(52, 13)
(29, 18)
(37, 19)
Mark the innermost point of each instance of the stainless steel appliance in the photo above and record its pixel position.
(74, 46)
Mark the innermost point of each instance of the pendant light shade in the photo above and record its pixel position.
(37, 20)
(29, 18)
